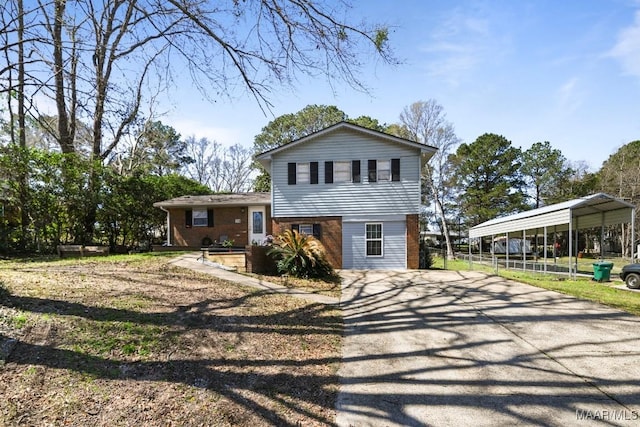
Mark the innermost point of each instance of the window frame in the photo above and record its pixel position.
(344, 175)
(309, 228)
(198, 215)
(383, 174)
(302, 176)
(368, 239)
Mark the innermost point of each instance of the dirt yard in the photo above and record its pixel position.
(133, 341)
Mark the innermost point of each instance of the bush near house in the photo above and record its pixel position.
(300, 255)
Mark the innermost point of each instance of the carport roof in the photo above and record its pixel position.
(586, 212)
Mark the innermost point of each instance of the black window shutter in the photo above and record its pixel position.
(328, 172)
(355, 170)
(373, 170)
(188, 217)
(295, 227)
(317, 231)
(313, 170)
(292, 173)
(209, 217)
(395, 169)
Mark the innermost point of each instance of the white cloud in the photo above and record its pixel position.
(461, 43)
(627, 48)
(570, 96)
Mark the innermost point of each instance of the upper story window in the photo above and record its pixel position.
(341, 171)
(383, 170)
(302, 173)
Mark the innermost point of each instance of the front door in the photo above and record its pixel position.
(257, 230)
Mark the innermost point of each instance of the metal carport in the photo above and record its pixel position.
(586, 212)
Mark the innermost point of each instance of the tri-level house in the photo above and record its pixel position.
(357, 190)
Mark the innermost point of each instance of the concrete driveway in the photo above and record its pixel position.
(463, 348)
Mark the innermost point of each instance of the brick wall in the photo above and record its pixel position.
(331, 234)
(413, 241)
(224, 224)
(257, 261)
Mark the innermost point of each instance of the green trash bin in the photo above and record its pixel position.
(602, 271)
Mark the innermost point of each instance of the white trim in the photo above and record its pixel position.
(375, 218)
(374, 239)
(257, 237)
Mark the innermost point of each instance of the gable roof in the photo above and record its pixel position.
(585, 212)
(265, 157)
(216, 200)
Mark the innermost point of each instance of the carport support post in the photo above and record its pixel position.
(570, 243)
(576, 259)
(602, 237)
(507, 251)
(544, 259)
(493, 253)
(524, 250)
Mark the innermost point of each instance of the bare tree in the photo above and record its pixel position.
(425, 122)
(237, 169)
(207, 161)
(222, 169)
(100, 61)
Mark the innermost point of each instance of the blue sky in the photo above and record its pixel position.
(566, 71)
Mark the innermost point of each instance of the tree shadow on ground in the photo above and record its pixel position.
(444, 348)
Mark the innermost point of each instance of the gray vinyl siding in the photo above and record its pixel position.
(354, 247)
(345, 199)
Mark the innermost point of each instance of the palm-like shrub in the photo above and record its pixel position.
(300, 255)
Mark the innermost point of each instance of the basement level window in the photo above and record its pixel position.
(373, 239)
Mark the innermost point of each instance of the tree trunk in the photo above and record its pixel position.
(443, 222)
(65, 138)
(22, 132)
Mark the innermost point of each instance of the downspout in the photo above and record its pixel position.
(168, 226)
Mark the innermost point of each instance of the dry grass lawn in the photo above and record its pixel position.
(133, 341)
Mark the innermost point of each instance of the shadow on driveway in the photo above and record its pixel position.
(461, 348)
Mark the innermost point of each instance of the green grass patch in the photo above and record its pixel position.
(19, 320)
(116, 338)
(584, 288)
